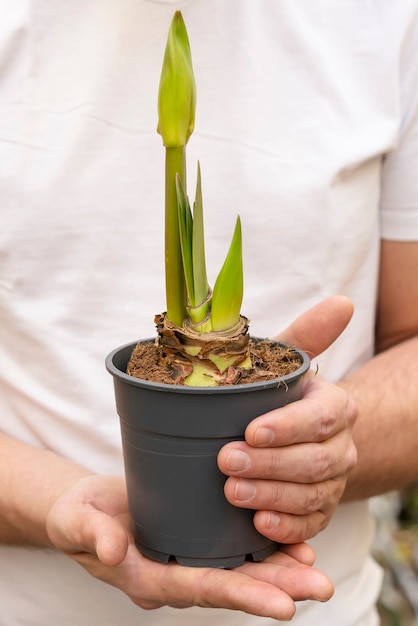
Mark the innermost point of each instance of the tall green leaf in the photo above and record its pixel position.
(200, 280)
(185, 220)
(229, 286)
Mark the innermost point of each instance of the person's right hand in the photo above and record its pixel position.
(295, 473)
(90, 523)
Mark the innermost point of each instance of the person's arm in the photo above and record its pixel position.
(386, 388)
(31, 480)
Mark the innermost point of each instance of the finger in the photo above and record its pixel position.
(301, 552)
(287, 497)
(316, 329)
(301, 463)
(152, 585)
(324, 411)
(236, 590)
(284, 528)
(283, 571)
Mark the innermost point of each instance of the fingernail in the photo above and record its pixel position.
(244, 490)
(263, 435)
(237, 460)
(273, 520)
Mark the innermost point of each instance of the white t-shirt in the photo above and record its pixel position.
(303, 109)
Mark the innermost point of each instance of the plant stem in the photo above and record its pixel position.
(174, 275)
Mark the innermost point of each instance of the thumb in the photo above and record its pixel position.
(317, 328)
(86, 529)
(109, 536)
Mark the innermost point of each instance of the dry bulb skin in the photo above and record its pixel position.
(211, 359)
(217, 358)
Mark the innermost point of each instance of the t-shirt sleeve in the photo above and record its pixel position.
(399, 198)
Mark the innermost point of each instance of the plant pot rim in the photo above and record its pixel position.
(127, 348)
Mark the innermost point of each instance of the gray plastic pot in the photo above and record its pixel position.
(171, 436)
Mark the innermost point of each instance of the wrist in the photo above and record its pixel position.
(32, 480)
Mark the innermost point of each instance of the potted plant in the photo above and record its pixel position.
(182, 396)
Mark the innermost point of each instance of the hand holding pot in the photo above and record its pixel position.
(295, 461)
(90, 523)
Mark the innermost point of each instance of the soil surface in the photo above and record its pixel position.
(270, 360)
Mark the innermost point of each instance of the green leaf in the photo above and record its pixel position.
(185, 221)
(229, 286)
(201, 287)
(193, 254)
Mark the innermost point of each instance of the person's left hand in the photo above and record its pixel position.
(294, 463)
(89, 521)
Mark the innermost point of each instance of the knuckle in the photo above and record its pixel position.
(314, 524)
(352, 457)
(296, 528)
(269, 464)
(325, 421)
(352, 411)
(314, 498)
(323, 496)
(339, 414)
(274, 464)
(339, 490)
(346, 460)
(277, 495)
(321, 464)
(332, 458)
